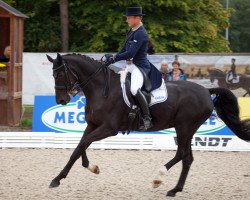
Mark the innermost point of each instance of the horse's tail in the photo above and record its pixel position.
(226, 106)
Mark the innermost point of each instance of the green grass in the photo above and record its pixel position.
(26, 121)
(28, 109)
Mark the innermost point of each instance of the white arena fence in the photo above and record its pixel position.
(131, 141)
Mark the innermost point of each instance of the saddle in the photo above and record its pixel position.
(231, 79)
(153, 97)
(146, 88)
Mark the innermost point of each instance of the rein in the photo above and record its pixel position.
(74, 88)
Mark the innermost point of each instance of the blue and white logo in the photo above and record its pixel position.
(211, 125)
(68, 118)
(59, 118)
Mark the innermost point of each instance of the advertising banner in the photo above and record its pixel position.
(68, 122)
(49, 116)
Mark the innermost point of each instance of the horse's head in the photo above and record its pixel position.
(65, 80)
(211, 75)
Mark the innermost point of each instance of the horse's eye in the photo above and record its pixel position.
(58, 75)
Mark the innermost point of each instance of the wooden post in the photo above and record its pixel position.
(11, 78)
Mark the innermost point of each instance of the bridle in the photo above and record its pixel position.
(73, 89)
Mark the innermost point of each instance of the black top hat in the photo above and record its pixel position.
(134, 11)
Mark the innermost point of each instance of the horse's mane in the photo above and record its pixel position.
(217, 70)
(86, 58)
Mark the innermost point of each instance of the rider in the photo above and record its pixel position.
(135, 50)
(233, 68)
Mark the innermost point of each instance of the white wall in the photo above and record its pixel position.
(38, 80)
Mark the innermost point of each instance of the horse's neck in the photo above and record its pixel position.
(220, 74)
(85, 69)
(98, 83)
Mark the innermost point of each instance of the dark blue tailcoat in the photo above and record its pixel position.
(135, 48)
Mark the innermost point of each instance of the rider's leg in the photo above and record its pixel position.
(136, 84)
(136, 81)
(230, 76)
(145, 109)
(234, 75)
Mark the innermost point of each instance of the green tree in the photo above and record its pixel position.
(239, 31)
(99, 26)
(173, 25)
(42, 28)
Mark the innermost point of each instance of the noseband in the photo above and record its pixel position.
(74, 88)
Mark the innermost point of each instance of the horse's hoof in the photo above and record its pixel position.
(156, 183)
(54, 184)
(94, 169)
(172, 193)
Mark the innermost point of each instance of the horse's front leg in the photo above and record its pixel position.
(85, 163)
(91, 137)
(75, 155)
(85, 160)
(247, 93)
(87, 138)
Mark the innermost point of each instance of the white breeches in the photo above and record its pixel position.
(136, 78)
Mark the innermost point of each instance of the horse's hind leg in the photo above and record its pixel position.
(184, 153)
(163, 170)
(184, 136)
(186, 164)
(180, 154)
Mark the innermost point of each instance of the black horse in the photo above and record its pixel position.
(244, 81)
(186, 108)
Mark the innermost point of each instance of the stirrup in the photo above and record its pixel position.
(146, 123)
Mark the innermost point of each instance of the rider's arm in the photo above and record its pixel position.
(122, 50)
(135, 45)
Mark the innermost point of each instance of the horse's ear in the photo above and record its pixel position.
(49, 58)
(59, 58)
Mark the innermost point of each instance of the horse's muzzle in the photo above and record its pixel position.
(63, 102)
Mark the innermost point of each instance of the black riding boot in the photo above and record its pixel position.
(145, 110)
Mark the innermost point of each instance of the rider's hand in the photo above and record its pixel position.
(109, 59)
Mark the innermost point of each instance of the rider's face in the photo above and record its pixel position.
(133, 21)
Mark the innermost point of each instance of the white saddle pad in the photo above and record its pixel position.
(158, 95)
(231, 79)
